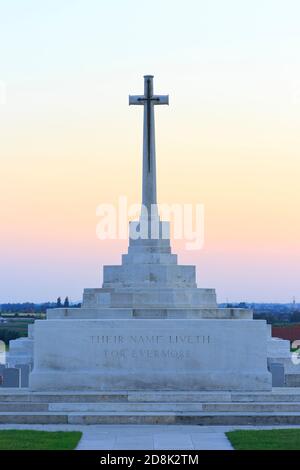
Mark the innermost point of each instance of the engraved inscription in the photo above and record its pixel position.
(151, 339)
(148, 347)
(146, 354)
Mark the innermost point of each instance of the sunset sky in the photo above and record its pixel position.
(230, 138)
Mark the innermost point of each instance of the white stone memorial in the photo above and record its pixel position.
(150, 327)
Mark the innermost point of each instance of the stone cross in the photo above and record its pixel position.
(148, 100)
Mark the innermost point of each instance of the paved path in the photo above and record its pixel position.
(153, 438)
(147, 437)
(144, 437)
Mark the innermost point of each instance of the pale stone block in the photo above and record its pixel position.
(150, 355)
(149, 258)
(278, 348)
(20, 351)
(149, 274)
(88, 313)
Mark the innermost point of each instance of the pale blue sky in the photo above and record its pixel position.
(46, 40)
(68, 140)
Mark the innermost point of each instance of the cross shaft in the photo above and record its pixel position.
(148, 100)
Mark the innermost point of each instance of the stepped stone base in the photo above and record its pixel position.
(172, 313)
(280, 406)
(150, 328)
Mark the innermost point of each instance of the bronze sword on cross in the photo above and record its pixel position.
(148, 100)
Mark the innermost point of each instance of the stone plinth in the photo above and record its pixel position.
(150, 355)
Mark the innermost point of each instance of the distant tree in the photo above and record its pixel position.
(242, 305)
(8, 335)
(295, 317)
(76, 305)
(58, 303)
(66, 302)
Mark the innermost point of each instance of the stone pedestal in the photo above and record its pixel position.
(150, 328)
(150, 355)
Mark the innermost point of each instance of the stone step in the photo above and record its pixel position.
(91, 397)
(196, 418)
(288, 396)
(23, 406)
(199, 418)
(176, 407)
(179, 397)
(33, 418)
(284, 395)
(274, 407)
(116, 407)
(126, 407)
(63, 397)
(173, 407)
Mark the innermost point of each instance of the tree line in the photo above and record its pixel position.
(31, 307)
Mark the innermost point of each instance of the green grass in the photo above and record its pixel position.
(21, 326)
(14, 329)
(38, 440)
(274, 439)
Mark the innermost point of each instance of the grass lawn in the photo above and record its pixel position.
(19, 325)
(274, 439)
(38, 440)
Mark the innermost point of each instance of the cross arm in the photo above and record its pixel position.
(160, 99)
(136, 99)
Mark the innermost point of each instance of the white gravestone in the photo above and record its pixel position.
(24, 374)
